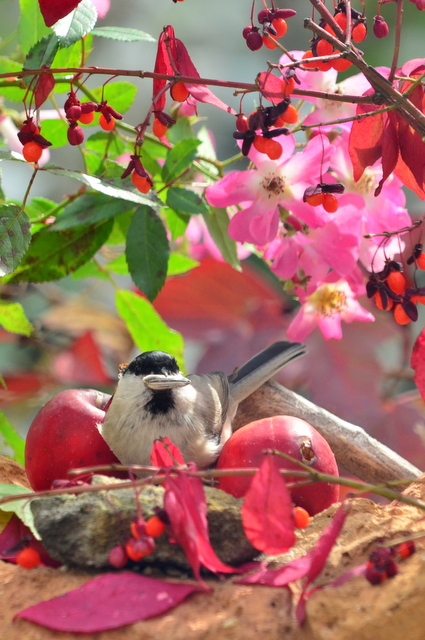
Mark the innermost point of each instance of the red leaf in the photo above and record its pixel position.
(166, 43)
(267, 510)
(83, 363)
(43, 87)
(365, 142)
(186, 507)
(270, 87)
(107, 602)
(390, 148)
(52, 10)
(418, 362)
(15, 536)
(165, 454)
(294, 570)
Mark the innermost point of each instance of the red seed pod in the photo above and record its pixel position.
(246, 31)
(137, 549)
(28, 558)
(324, 48)
(359, 31)
(406, 549)
(32, 151)
(241, 123)
(396, 282)
(280, 27)
(88, 107)
(75, 134)
(118, 557)
(74, 112)
(380, 27)
(254, 40)
(420, 261)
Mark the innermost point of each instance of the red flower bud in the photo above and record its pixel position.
(380, 27)
(75, 134)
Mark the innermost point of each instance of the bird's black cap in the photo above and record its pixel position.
(152, 362)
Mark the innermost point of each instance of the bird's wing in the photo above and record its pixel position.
(214, 392)
(262, 367)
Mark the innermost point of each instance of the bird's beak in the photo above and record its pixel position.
(158, 382)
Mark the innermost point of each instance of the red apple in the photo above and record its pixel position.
(64, 435)
(290, 435)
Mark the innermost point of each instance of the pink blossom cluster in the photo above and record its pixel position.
(322, 254)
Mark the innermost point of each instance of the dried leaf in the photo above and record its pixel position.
(267, 510)
(107, 602)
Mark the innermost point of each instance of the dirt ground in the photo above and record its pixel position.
(355, 610)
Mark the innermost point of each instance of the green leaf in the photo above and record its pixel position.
(13, 318)
(41, 54)
(12, 67)
(70, 57)
(185, 201)
(15, 237)
(176, 223)
(22, 508)
(147, 251)
(179, 158)
(82, 22)
(55, 131)
(89, 270)
(105, 145)
(108, 187)
(2, 194)
(89, 209)
(178, 263)
(12, 439)
(55, 254)
(148, 330)
(217, 221)
(39, 207)
(31, 27)
(120, 95)
(180, 131)
(119, 265)
(122, 34)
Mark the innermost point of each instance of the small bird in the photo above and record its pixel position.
(154, 399)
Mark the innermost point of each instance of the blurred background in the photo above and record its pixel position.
(225, 316)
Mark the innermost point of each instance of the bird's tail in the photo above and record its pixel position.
(262, 367)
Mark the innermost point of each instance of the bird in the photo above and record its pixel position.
(153, 399)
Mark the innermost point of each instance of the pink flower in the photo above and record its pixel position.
(102, 7)
(330, 303)
(420, 4)
(261, 191)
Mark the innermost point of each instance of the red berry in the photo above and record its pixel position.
(400, 316)
(301, 517)
(341, 65)
(270, 147)
(316, 199)
(241, 123)
(141, 183)
(324, 66)
(378, 302)
(138, 549)
(75, 135)
(28, 558)
(290, 115)
(86, 118)
(330, 203)
(406, 549)
(341, 20)
(306, 64)
(178, 92)
(155, 527)
(280, 27)
(269, 43)
(288, 86)
(118, 557)
(359, 32)
(106, 126)
(324, 48)
(74, 112)
(32, 151)
(420, 261)
(159, 129)
(380, 27)
(254, 40)
(396, 282)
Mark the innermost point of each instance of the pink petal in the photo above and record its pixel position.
(234, 188)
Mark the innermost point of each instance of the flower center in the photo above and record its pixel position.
(273, 185)
(329, 301)
(366, 184)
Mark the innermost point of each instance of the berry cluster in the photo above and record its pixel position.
(390, 290)
(83, 112)
(141, 543)
(322, 194)
(273, 25)
(139, 176)
(382, 563)
(31, 139)
(269, 120)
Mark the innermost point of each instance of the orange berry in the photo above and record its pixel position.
(378, 302)
(324, 48)
(306, 64)
(28, 558)
(416, 299)
(32, 151)
(330, 203)
(359, 32)
(290, 115)
(269, 43)
(137, 549)
(315, 199)
(86, 118)
(301, 517)
(400, 316)
(324, 66)
(178, 92)
(341, 65)
(106, 126)
(154, 527)
(141, 183)
(341, 20)
(288, 86)
(159, 129)
(270, 147)
(406, 549)
(281, 27)
(396, 282)
(420, 261)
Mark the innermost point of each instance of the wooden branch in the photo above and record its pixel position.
(354, 449)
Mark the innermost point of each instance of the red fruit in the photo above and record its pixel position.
(178, 92)
(306, 64)
(106, 126)
(330, 203)
(28, 558)
(290, 435)
(141, 183)
(65, 435)
(86, 118)
(380, 27)
(75, 135)
(315, 199)
(420, 261)
(155, 527)
(241, 123)
(159, 129)
(400, 316)
(269, 43)
(396, 282)
(288, 86)
(280, 27)
(290, 115)
(270, 147)
(74, 112)
(378, 302)
(254, 40)
(138, 549)
(32, 151)
(324, 48)
(301, 518)
(341, 19)
(359, 32)
(118, 557)
(341, 65)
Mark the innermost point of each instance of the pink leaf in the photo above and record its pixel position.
(52, 10)
(294, 570)
(165, 454)
(107, 602)
(267, 510)
(418, 362)
(15, 536)
(186, 507)
(43, 87)
(270, 87)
